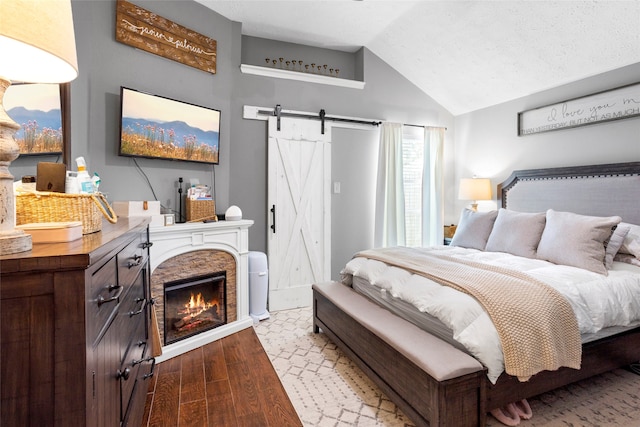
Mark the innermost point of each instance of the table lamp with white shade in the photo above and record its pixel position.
(474, 189)
(37, 44)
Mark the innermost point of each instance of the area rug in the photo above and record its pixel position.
(328, 389)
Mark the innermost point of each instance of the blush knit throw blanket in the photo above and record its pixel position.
(537, 327)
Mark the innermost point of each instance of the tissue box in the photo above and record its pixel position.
(130, 208)
(53, 232)
(157, 221)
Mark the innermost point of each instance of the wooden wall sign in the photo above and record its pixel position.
(147, 31)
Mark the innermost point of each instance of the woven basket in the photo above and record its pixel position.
(44, 206)
(200, 210)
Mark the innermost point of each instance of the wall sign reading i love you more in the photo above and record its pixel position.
(615, 104)
(147, 31)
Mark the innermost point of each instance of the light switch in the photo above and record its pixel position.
(336, 187)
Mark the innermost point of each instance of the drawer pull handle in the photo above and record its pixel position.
(123, 374)
(153, 366)
(144, 304)
(146, 245)
(152, 370)
(136, 261)
(102, 300)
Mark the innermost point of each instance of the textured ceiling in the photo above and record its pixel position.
(466, 55)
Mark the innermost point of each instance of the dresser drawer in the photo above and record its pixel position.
(141, 368)
(132, 330)
(133, 360)
(131, 259)
(104, 298)
(132, 315)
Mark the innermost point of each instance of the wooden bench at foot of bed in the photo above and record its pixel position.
(432, 382)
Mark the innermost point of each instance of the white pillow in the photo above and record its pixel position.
(626, 258)
(614, 244)
(576, 240)
(517, 233)
(631, 244)
(473, 229)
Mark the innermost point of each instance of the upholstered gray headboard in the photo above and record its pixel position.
(598, 190)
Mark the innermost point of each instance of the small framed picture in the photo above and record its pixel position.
(36, 107)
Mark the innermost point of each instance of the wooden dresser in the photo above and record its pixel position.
(74, 321)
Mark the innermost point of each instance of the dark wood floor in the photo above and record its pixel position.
(229, 382)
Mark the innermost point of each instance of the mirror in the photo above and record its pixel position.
(42, 111)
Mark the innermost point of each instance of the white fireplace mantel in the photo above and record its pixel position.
(228, 236)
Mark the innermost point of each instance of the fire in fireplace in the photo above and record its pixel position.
(194, 305)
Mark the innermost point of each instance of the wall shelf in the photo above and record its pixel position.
(296, 75)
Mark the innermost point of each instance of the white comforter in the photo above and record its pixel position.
(598, 301)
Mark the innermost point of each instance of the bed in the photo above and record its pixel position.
(436, 382)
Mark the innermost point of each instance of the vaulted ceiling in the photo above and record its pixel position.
(466, 55)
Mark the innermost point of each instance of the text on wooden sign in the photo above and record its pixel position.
(147, 31)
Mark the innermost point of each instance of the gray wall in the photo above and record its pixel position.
(387, 95)
(484, 141)
(356, 200)
(256, 50)
(106, 64)
(487, 145)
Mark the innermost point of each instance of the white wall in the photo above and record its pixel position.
(487, 145)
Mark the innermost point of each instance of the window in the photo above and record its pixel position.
(412, 166)
(409, 189)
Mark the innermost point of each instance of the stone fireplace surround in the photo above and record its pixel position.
(199, 247)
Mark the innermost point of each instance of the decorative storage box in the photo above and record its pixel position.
(44, 206)
(130, 208)
(200, 210)
(53, 232)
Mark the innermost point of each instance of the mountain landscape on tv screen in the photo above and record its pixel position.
(180, 128)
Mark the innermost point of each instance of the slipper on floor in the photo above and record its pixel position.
(523, 409)
(507, 415)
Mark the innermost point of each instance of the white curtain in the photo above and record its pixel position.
(390, 228)
(433, 187)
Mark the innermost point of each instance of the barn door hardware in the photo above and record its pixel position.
(276, 112)
(273, 215)
(322, 114)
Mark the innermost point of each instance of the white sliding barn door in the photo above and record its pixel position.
(299, 200)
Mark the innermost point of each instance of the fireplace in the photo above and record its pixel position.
(182, 271)
(184, 253)
(194, 305)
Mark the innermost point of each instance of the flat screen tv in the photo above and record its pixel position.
(156, 127)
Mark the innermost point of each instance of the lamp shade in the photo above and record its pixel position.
(37, 41)
(475, 189)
